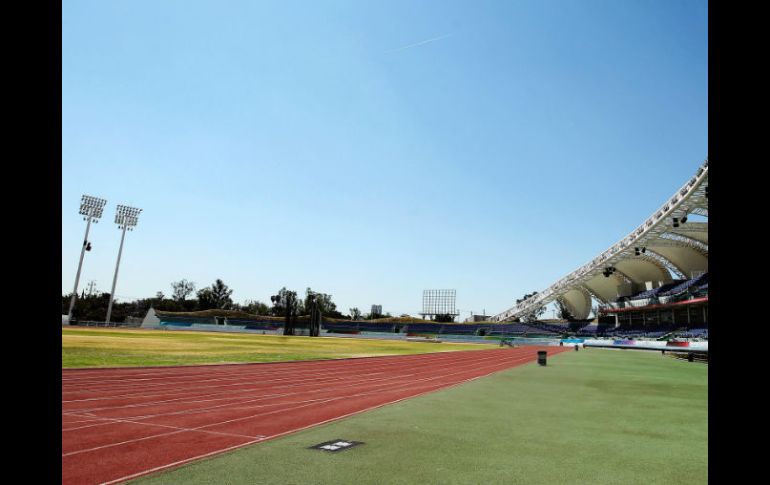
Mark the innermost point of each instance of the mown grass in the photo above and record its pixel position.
(596, 416)
(105, 347)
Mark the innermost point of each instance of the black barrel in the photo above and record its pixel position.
(541, 355)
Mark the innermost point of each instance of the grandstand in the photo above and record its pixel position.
(651, 283)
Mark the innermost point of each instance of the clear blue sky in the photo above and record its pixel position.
(373, 149)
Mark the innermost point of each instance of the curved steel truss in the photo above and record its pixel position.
(683, 254)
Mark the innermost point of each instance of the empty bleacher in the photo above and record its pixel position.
(647, 294)
(357, 327)
(423, 328)
(683, 286)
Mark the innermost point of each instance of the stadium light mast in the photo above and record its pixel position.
(126, 218)
(91, 208)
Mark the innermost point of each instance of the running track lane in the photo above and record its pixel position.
(119, 424)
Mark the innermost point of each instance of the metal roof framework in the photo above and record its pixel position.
(681, 250)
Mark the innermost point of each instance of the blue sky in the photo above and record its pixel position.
(373, 149)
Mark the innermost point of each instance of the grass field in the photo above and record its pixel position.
(595, 416)
(104, 347)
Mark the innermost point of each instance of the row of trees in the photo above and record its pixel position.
(93, 306)
(355, 314)
(533, 315)
(563, 310)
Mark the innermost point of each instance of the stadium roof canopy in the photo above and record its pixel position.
(665, 246)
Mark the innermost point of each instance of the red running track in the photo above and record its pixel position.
(119, 424)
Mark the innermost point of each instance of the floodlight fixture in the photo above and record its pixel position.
(126, 218)
(91, 208)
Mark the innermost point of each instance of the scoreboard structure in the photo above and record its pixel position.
(438, 302)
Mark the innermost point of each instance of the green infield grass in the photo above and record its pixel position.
(589, 417)
(105, 347)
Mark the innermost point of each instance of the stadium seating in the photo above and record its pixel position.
(700, 280)
(376, 327)
(356, 326)
(460, 329)
(549, 329)
(509, 329)
(695, 333)
(655, 291)
(428, 328)
(342, 327)
(184, 321)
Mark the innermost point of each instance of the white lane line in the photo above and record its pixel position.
(180, 428)
(246, 380)
(269, 369)
(304, 392)
(224, 450)
(303, 404)
(177, 463)
(176, 431)
(249, 377)
(195, 371)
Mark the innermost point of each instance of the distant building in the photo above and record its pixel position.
(476, 318)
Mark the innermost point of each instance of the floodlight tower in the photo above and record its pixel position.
(91, 209)
(126, 218)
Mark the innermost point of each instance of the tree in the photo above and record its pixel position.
(216, 296)
(444, 318)
(256, 307)
(355, 313)
(285, 303)
(313, 304)
(222, 294)
(206, 299)
(325, 303)
(564, 313)
(535, 313)
(182, 289)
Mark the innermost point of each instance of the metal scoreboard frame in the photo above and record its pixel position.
(439, 302)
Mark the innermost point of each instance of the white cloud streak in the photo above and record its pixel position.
(418, 43)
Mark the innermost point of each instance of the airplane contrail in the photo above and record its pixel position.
(419, 43)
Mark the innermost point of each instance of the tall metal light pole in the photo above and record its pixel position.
(91, 208)
(126, 218)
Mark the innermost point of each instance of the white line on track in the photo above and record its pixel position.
(294, 430)
(240, 374)
(302, 404)
(161, 372)
(341, 376)
(247, 380)
(305, 391)
(180, 428)
(114, 375)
